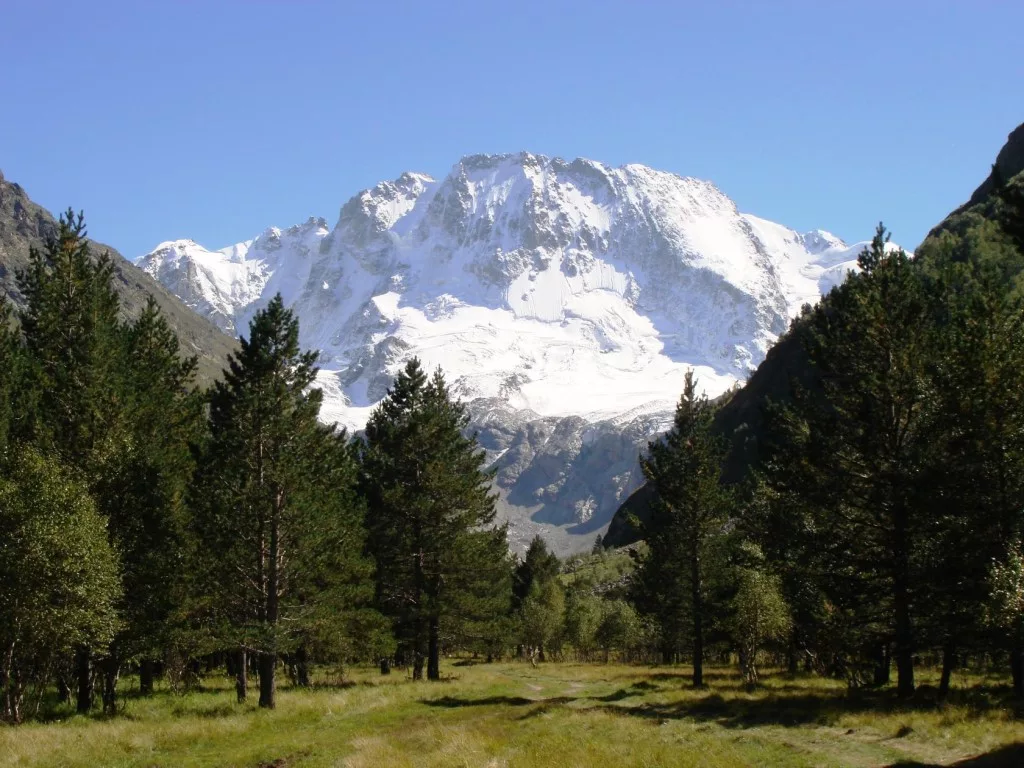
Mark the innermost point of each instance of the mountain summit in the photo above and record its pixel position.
(547, 290)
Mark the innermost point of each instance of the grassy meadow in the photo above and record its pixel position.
(563, 715)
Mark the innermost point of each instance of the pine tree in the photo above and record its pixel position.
(11, 361)
(977, 478)
(144, 488)
(71, 334)
(853, 452)
(71, 337)
(687, 521)
(430, 519)
(539, 565)
(266, 517)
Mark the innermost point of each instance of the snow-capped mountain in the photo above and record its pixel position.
(564, 301)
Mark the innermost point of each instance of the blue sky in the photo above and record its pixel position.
(213, 120)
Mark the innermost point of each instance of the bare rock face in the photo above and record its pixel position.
(564, 301)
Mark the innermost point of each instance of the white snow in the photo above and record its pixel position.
(562, 288)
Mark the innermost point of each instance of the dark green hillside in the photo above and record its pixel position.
(23, 225)
(970, 228)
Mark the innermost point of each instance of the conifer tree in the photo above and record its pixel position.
(440, 561)
(268, 522)
(71, 336)
(539, 565)
(854, 452)
(974, 484)
(145, 485)
(687, 520)
(11, 361)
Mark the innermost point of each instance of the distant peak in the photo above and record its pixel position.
(181, 244)
(411, 177)
(818, 240)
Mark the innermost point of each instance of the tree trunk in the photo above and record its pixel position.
(948, 663)
(83, 673)
(111, 669)
(268, 658)
(302, 667)
(698, 623)
(792, 652)
(63, 689)
(434, 651)
(1017, 668)
(268, 683)
(241, 676)
(146, 676)
(883, 664)
(904, 650)
(417, 665)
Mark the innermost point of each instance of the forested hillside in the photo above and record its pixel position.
(741, 417)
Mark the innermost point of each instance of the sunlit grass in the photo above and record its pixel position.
(517, 715)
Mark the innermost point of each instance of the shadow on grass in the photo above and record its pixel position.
(452, 702)
(1011, 756)
(773, 706)
(819, 708)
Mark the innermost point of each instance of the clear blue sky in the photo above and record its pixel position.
(213, 120)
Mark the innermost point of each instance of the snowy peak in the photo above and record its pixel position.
(218, 283)
(558, 287)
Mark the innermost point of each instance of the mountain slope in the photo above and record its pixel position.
(564, 300)
(24, 225)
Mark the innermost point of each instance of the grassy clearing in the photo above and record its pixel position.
(554, 715)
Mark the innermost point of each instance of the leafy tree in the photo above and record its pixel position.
(59, 577)
(430, 520)
(582, 618)
(619, 627)
(1005, 606)
(688, 518)
(760, 613)
(278, 521)
(542, 617)
(782, 529)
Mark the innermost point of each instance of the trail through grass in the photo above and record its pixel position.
(554, 715)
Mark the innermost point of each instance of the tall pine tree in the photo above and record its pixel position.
(687, 521)
(441, 564)
(854, 453)
(269, 519)
(72, 340)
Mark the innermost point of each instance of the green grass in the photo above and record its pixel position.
(553, 715)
